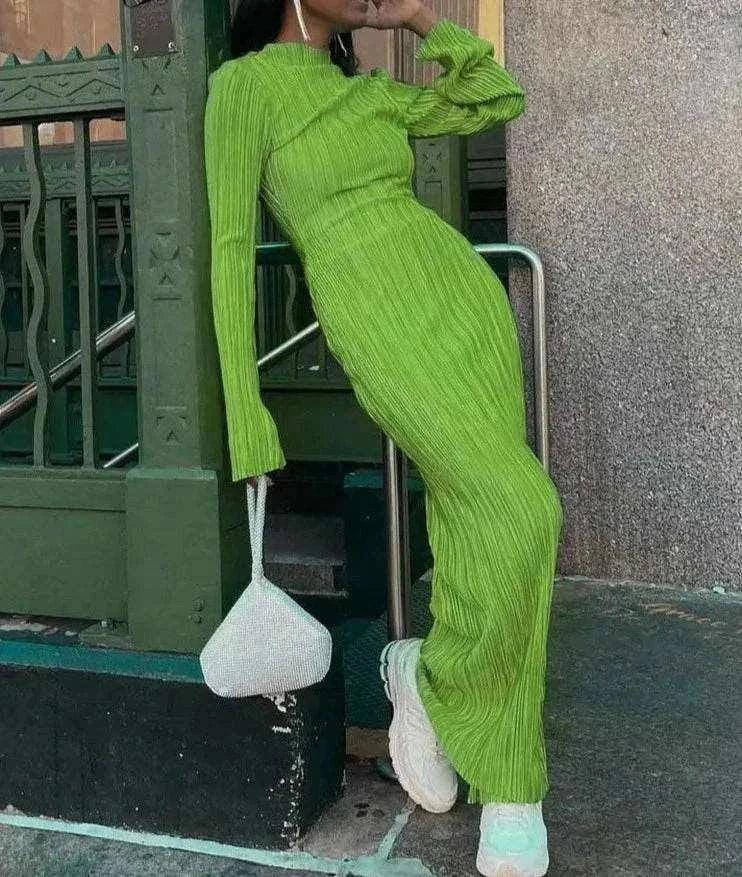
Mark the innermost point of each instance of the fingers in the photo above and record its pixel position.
(254, 479)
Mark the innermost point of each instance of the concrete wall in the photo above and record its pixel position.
(624, 174)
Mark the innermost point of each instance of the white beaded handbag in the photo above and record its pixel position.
(267, 643)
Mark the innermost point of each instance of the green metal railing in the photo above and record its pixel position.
(32, 95)
(110, 339)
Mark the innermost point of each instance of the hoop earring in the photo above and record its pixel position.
(300, 17)
(342, 44)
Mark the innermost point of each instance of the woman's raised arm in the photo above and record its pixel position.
(472, 93)
(236, 136)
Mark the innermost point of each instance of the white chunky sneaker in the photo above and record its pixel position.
(422, 768)
(512, 841)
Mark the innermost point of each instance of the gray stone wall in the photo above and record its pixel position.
(624, 174)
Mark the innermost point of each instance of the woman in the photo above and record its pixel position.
(428, 339)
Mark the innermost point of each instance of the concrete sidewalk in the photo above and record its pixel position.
(644, 731)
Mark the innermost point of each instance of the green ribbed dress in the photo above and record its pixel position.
(427, 336)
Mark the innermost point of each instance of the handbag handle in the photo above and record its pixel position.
(256, 517)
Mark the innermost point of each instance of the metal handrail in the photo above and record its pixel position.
(283, 253)
(268, 359)
(538, 309)
(395, 462)
(62, 373)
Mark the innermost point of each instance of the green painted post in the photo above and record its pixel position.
(440, 179)
(187, 545)
(58, 250)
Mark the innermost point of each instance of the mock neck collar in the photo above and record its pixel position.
(299, 52)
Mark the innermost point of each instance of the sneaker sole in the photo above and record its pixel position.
(538, 869)
(437, 805)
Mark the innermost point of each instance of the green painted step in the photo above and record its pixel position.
(305, 554)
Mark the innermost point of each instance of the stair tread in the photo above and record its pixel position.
(304, 539)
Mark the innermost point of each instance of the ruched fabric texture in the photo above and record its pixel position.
(425, 332)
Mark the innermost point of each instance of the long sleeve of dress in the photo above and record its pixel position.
(473, 93)
(235, 143)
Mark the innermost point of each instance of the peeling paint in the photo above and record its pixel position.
(674, 611)
(365, 866)
(283, 701)
(291, 829)
(279, 701)
(22, 625)
(400, 821)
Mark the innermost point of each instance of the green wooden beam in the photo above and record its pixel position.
(109, 169)
(119, 662)
(51, 90)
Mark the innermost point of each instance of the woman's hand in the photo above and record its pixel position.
(253, 480)
(413, 14)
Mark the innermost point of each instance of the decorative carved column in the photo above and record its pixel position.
(441, 162)
(187, 539)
